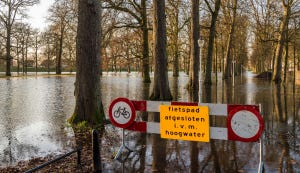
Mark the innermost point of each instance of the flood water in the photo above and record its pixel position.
(33, 113)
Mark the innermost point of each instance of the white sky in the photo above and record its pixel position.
(37, 14)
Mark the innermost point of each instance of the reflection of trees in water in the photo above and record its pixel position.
(283, 133)
(176, 156)
(8, 129)
(158, 149)
(14, 151)
(227, 156)
(39, 110)
(141, 139)
(193, 148)
(216, 163)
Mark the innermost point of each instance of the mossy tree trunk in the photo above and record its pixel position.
(88, 106)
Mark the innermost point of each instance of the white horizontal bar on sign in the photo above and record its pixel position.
(218, 133)
(216, 109)
(153, 127)
(153, 106)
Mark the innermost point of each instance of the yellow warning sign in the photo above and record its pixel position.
(184, 122)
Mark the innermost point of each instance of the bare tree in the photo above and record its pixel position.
(177, 21)
(212, 34)
(286, 5)
(137, 11)
(263, 19)
(36, 48)
(228, 66)
(22, 33)
(10, 10)
(62, 16)
(48, 42)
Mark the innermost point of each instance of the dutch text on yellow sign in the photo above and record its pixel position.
(184, 123)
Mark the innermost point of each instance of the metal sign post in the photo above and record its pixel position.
(122, 114)
(200, 43)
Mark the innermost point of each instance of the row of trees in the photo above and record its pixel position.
(250, 33)
(232, 32)
(21, 44)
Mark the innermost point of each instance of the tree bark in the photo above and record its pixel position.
(88, 106)
(276, 77)
(210, 50)
(228, 69)
(174, 30)
(60, 50)
(8, 47)
(286, 54)
(161, 89)
(193, 84)
(146, 68)
(36, 54)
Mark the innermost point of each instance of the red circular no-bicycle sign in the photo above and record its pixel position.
(244, 123)
(122, 112)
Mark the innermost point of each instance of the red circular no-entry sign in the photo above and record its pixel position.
(244, 123)
(122, 112)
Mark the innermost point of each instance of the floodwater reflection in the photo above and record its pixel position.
(280, 139)
(33, 117)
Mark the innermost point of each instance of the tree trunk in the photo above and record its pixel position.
(286, 55)
(193, 84)
(23, 54)
(146, 69)
(60, 50)
(26, 54)
(48, 59)
(212, 34)
(279, 49)
(174, 36)
(228, 69)
(18, 57)
(36, 55)
(8, 47)
(176, 60)
(88, 106)
(161, 89)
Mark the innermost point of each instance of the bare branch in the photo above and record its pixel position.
(209, 7)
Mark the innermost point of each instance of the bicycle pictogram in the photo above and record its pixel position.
(121, 111)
